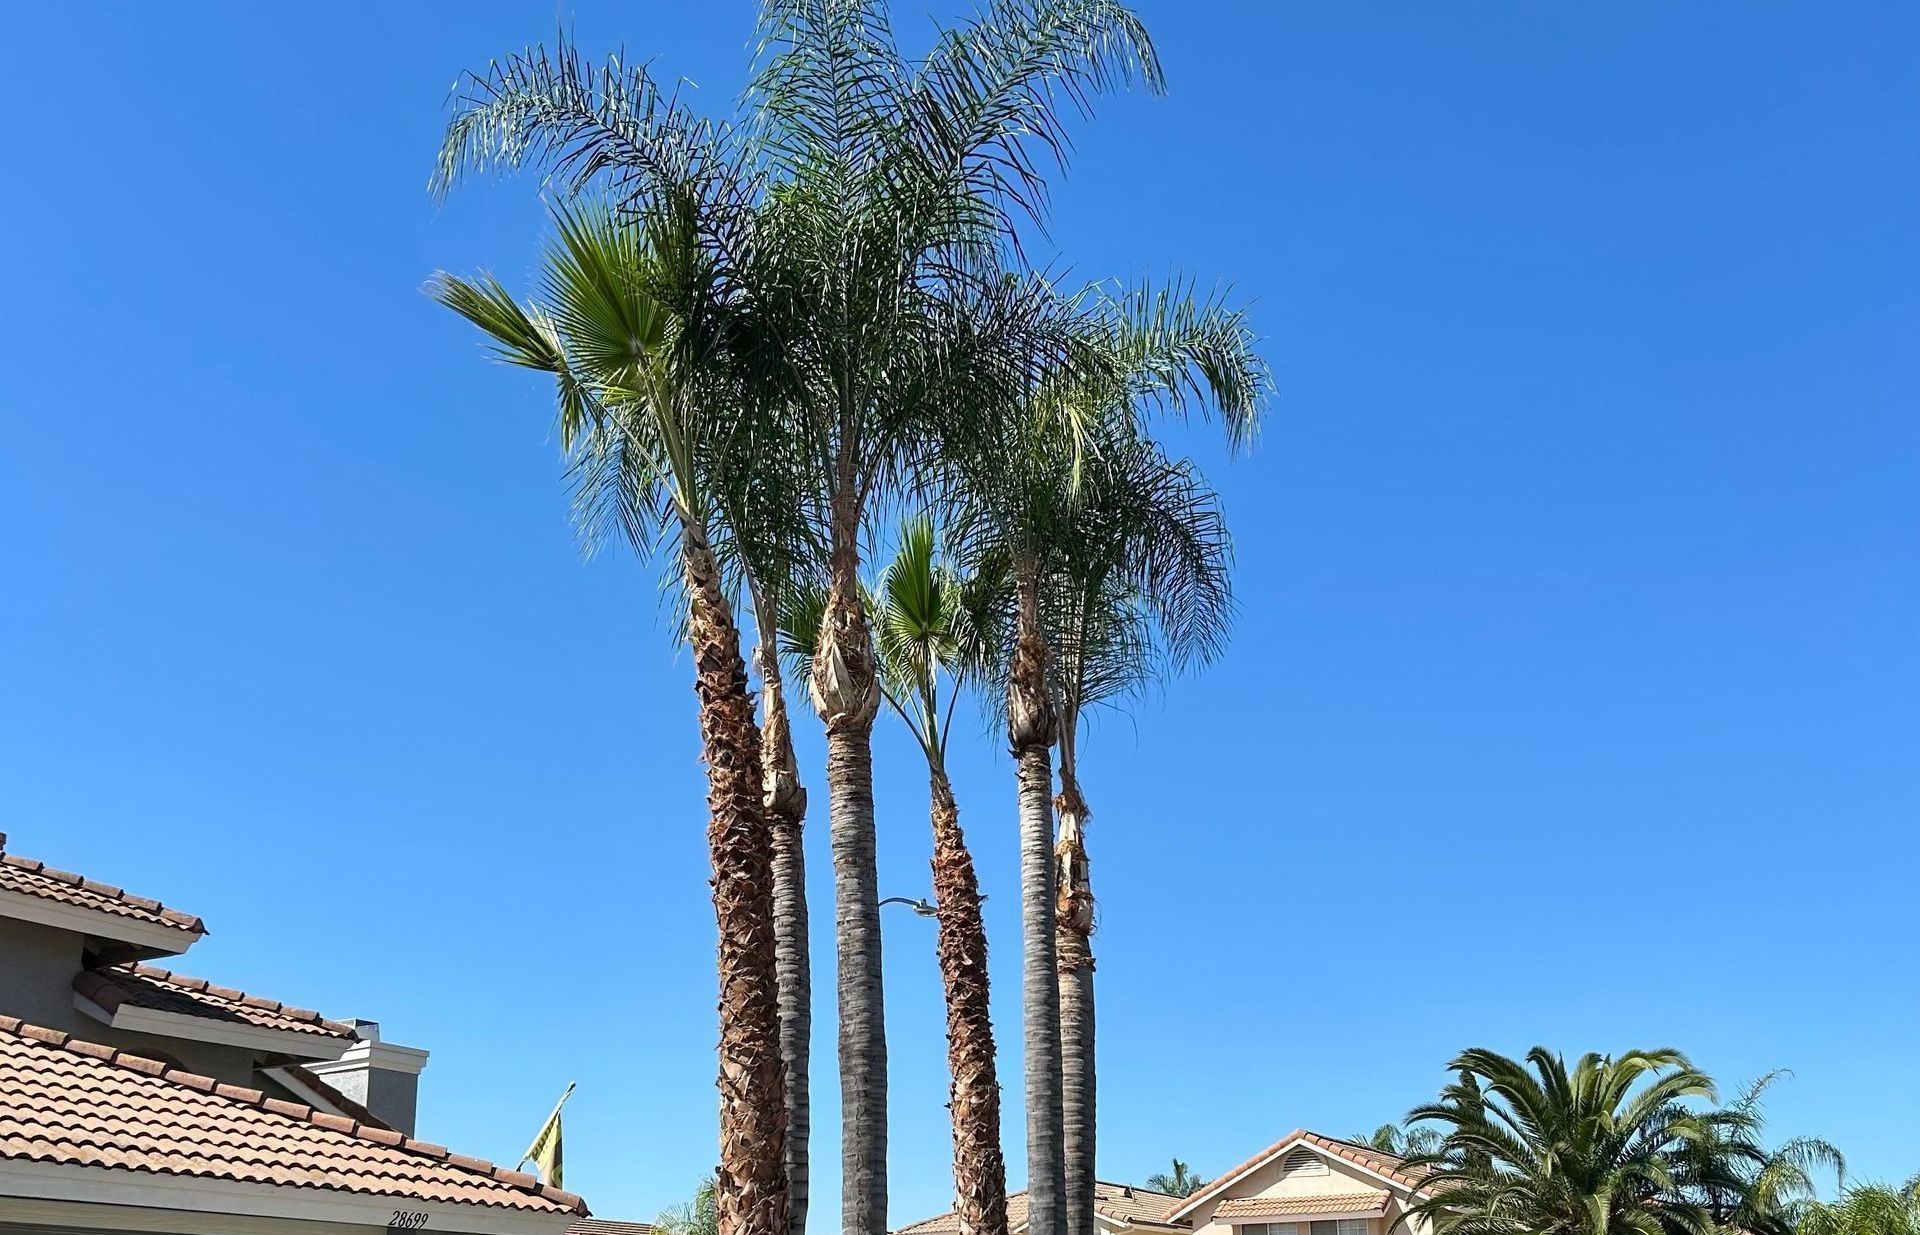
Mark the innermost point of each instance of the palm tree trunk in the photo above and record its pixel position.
(846, 693)
(979, 1167)
(750, 1185)
(786, 801)
(1030, 731)
(1073, 934)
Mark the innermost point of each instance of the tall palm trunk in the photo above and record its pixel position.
(1073, 934)
(786, 802)
(1030, 731)
(846, 692)
(979, 1167)
(750, 1184)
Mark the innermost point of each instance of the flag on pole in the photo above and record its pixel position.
(545, 1152)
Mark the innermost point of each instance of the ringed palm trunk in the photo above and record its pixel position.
(979, 1167)
(846, 693)
(1030, 731)
(1073, 935)
(750, 1184)
(786, 803)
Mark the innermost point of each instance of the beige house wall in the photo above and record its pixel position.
(1341, 1179)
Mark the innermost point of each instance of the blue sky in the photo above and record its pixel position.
(1575, 688)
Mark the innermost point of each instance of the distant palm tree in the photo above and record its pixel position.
(700, 1216)
(1867, 1209)
(1178, 1182)
(1399, 1141)
(1610, 1146)
(1774, 1188)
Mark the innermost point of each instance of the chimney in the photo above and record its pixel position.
(384, 1077)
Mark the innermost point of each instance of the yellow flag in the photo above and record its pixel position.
(545, 1152)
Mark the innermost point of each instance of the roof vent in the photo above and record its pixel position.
(1303, 1161)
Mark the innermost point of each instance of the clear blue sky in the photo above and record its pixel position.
(1574, 697)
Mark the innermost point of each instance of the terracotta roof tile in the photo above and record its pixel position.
(144, 986)
(78, 1103)
(1387, 1164)
(1282, 1206)
(34, 878)
(1121, 1202)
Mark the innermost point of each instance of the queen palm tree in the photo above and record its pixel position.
(1606, 1147)
(635, 335)
(1867, 1209)
(1023, 459)
(1773, 1188)
(1141, 591)
(879, 187)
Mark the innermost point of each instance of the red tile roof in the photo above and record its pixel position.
(76, 1103)
(1282, 1206)
(25, 875)
(143, 986)
(1386, 1164)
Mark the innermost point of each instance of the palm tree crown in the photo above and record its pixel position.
(1178, 1182)
(1609, 1146)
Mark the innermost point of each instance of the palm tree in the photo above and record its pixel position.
(1773, 1188)
(930, 629)
(1177, 1182)
(895, 181)
(1400, 1142)
(1867, 1209)
(879, 188)
(1142, 590)
(1020, 459)
(699, 1216)
(1603, 1148)
(634, 335)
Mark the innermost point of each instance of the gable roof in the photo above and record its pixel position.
(1378, 1163)
(1120, 1203)
(80, 1104)
(36, 879)
(144, 986)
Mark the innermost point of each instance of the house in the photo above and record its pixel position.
(1302, 1184)
(136, 1099)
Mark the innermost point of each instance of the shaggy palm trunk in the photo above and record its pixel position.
(750, 1184)
(846, 692)
(1073, 935)
(979, 1168)
(786, 801)
(1030, 731)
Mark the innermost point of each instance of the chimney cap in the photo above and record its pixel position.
(366, 1031)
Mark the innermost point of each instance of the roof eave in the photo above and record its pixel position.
(135, 939)
(64, 1186)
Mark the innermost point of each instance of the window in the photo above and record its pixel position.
(1342, 1226)
(1269, 1228)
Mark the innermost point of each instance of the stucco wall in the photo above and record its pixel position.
(37, 964)
(37, 968)
(1272, 1180)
